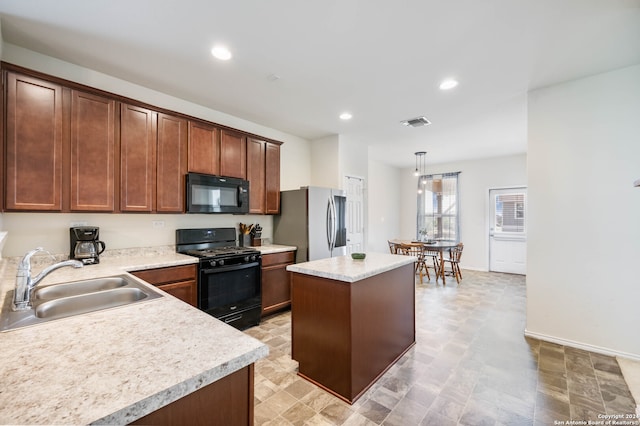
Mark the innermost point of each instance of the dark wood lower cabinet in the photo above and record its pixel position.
(276, 281)
(178, 281)
(346, 335)
(227, 402)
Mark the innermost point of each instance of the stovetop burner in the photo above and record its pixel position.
(220, 251)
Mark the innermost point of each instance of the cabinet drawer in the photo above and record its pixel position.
(278, 258)
(167, 275)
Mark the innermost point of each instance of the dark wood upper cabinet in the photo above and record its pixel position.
(34, 144)
(272, 178)
(73, 148)
(172, 163)
(263, 174)
(233, 154)
(92, 171)
(256, 175)
(138, 158)
(204, 148)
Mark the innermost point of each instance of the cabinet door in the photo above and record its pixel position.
(272, 178)
(184, 290)
(33, 144)
(233, 154)
(256, 175)
(276, 281)
(92, 152)
(179, 281)
(204, 148)
(137, 164)
(172, 164)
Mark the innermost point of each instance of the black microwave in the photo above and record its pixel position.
(216, 194)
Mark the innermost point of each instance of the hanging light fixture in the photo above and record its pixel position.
(420, 167)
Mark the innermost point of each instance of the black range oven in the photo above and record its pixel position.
(229, 277)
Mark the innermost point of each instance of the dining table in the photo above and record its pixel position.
(439, 246)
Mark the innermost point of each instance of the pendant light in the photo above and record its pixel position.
(420, 168)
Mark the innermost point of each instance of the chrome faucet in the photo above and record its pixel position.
(25, 284)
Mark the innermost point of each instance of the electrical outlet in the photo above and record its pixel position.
(77, 223)
(157, 223)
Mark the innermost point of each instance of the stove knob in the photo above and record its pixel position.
(221, 262)
(247, 259)
(212, 262)
(253, 258)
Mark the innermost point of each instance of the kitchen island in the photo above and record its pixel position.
(128, 363)
(351, 320)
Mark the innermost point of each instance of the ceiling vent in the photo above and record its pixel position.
(416, 122)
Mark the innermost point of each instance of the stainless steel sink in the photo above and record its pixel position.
(79, 287)
(80, 304)
(75, 298)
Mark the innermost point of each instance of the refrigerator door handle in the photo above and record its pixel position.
(329, 224)
(333, 229)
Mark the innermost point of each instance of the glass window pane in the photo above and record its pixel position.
(510, 213)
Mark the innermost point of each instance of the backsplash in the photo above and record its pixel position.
(43, 259)
(27, 231)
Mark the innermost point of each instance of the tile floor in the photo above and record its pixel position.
(471, 365)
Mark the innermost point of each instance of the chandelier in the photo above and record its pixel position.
(420, 168)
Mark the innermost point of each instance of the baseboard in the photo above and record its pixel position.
(579, 345)
(473, 268)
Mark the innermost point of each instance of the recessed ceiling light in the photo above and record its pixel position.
(345, 116)
(221, 52)
(448, 84)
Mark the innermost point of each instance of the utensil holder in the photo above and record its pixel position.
(244, 240)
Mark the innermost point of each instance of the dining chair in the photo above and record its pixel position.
(434, 257)
(393, 247)
(416, 250)
(454, 260)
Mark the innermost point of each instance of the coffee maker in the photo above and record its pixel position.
(85, 244)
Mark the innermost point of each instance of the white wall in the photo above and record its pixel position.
(325, 164)
(383, 222)
(476, 178)
(583, 286)
(51, 230)
(28, 230)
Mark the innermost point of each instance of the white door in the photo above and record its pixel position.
(508, 230)
(355, 214)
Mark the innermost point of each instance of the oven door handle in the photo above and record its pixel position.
(229, 268)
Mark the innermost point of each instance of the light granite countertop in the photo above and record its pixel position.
(274, 248)
(116, 365)
(344, 268)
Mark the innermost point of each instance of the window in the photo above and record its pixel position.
(438, 207)
(509, 210)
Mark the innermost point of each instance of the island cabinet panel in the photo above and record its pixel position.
(138, 158)
(226, 402)
(34, 144)
(272, 178)
(178, 281)
(172, 164)
(233, 154)
(204, 148)
(347, 335)
(276, 281)
(93, 150)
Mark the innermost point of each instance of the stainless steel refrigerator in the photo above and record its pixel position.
(312, 219)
